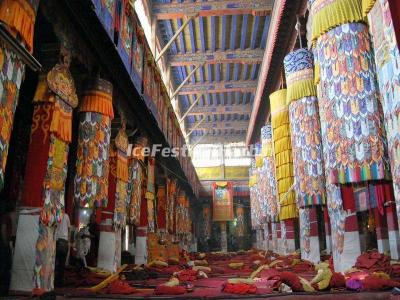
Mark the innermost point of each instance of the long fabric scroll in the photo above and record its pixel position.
(122, 176)
(12, 71)
(283, 155)
(136, 177)
(270, 196)
(171, 200)
(352, 130)
(222, 201)
(92, 163)
(305, 128)
(150, 193)
(387, 59)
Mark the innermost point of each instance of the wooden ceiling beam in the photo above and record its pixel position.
(176, 10)
(219, 125)
(247, 56)
(220, 110)
(244, 86)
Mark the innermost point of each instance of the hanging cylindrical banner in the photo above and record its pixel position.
(92, 162)
(387, 60)
(353, 138)
(207, 221)
(161, 208)
(270, 195)
(305, 128)
(283, 155)
(171, 200)
(222, 201)
(240, 225)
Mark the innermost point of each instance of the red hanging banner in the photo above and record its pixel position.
(222, 201)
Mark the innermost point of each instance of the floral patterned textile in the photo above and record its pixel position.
(136, 173)
(92, 164)
(305, 228)
(307, 152)
(12, 71)
(171, 201)
(349, 107)
(387, 59)
(43, 275)
(305, 129)
(268, 173)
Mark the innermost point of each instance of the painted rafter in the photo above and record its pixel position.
(246, 56)
(218, 125)
(167, 11)
(243, 86)
(220, 110)
(218, 139)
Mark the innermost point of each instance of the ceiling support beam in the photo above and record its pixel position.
(222, 125)
(244, 86)
(194, 128)
(219, 139)
(221, 110)
(184, 82)
(247, 56)
(166, 47)
(167, 11)
(190, 108)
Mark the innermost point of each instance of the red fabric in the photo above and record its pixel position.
(373, 261)
(239, 288)
(169, 290)
(143, 205)
(112, 188)
(337, 280)
(187, 275)
(161, 209)
(349, 202)
(38, 154)
(291, 280)
(394, 6)
(375, 283)
(304, 266)
(119, 287)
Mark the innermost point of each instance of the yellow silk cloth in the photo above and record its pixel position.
(20, 17)
(283, 154)
(367, 5)
(328, 14)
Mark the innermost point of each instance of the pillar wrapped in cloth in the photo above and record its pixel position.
(161, 209)
(92, 163)
(307, 146)
(387, 59)
(351, 123)
(46, 172)
(283, 155)
(171, 196)
(206, 221)
(19, 17)
(136, 174)
(305, 128)
(150, 193)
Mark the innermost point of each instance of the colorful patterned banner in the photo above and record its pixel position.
(12, 71)
(207, 221)
(305, 229)
(387, 59)
(222, 201)
(240, 225)
(136, 177)
(171, 201)
(352, 131)
(305, 129)
(92, 163)
(150, 194)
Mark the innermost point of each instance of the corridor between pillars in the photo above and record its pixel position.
(45, 175)
(307, 146)
(387, 59)
(352, 131)
(284, 166)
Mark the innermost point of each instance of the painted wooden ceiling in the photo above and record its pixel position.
(227, 39)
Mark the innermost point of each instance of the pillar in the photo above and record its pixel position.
(309, 238)
(150, 193)
(279, 241)
(161, 211)
(45, 176)
(381, 228)
(393, 230)
(328, 234)
(353, 139)
(387, 59)
(224, 237)
(141, 230)
(274, 237)
(240, 226)
(283, 163)
(266, 236)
